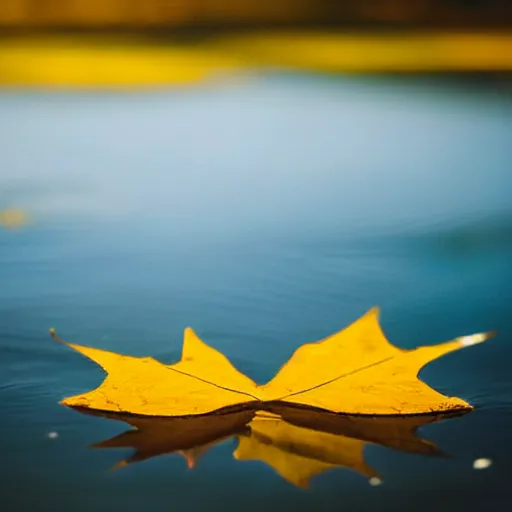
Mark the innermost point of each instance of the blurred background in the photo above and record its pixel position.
(231, 13)
(64, 42)
(265, 172)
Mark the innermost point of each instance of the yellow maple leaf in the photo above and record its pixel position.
(355, 371)
(306, 444)
(203, 381)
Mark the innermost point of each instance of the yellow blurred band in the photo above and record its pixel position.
(93, 61)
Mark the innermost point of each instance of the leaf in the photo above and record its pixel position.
(297, 443)
(202, 382)
(355, 371)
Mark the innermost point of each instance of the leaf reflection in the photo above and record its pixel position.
(298, 443)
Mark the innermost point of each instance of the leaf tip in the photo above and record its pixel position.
(68, 402)
(53, 334)
(190, 460)
(189, 332)
(190, 340)
(475, 339)
(303, 483)
(374, 312)
(82, 400)
(119, 465)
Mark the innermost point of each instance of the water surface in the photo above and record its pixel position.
(265, 214)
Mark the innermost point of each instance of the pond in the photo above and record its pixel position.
(264, 213)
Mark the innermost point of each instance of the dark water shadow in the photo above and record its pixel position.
(296, 442)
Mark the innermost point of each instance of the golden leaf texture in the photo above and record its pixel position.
(355, 371)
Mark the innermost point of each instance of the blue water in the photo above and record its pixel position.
(264, 213)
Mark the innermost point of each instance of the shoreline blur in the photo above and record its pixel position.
(114, 61)
(135, 43)
(211, 14)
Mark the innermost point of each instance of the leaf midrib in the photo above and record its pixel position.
(284, 397)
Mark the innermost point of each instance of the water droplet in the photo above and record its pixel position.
(482, 463)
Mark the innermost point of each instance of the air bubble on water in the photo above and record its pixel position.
(52, 435)
(375, 481)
